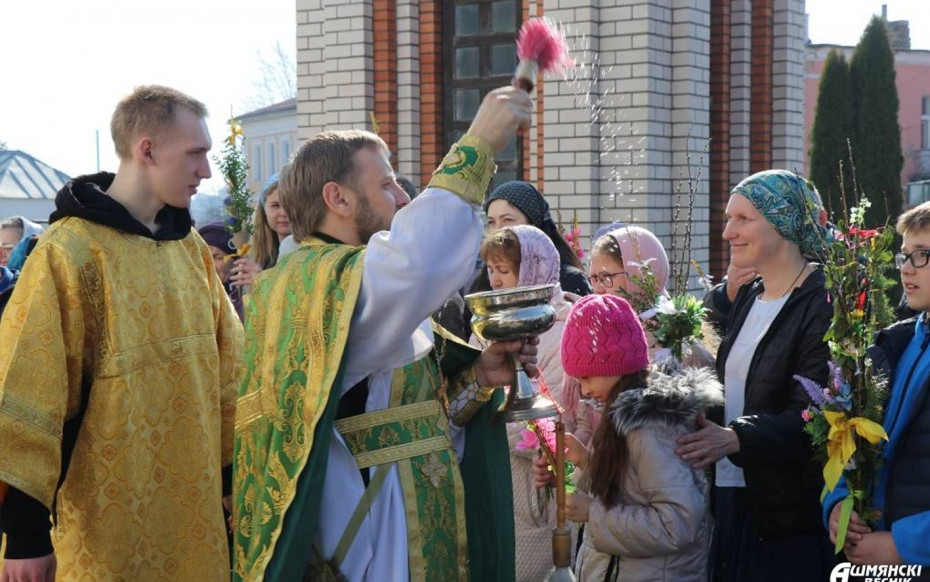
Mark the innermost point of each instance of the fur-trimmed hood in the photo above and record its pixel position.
(668, 401)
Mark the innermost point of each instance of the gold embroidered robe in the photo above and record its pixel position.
(147, 328)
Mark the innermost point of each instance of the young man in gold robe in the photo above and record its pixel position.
(119, 358)
(365, 449)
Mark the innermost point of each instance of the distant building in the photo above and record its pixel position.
(270, 138)
(659, 78)
(28, 186)
(912, 79)
(208, 207)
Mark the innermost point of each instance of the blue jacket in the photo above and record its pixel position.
(896, 350)
(7, 279)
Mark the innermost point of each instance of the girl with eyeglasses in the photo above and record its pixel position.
(618, 259)
(767, 484)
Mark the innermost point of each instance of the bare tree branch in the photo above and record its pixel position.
(278, 78)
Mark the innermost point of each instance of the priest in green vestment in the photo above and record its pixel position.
(366, 447)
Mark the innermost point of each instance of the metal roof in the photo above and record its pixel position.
(23, 176)
(287, 105)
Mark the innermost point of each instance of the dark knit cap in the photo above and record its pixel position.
(216, 235)
(526, 198)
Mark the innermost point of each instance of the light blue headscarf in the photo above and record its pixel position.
(791, 205)
(270, 184)
(19, 254)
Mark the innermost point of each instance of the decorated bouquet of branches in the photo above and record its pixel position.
(674, 322)
(845, 419)
(539, 435)
(572, 236)
(238, 202)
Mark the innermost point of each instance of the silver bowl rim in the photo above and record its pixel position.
(514, 296)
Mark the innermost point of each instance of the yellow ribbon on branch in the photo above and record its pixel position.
(841, 445)
(235, 130)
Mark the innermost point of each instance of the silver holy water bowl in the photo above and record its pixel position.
(509, 315)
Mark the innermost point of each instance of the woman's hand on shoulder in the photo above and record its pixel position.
(707, 445)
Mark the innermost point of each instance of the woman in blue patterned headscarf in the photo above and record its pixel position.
(767, 485)
(791, 205)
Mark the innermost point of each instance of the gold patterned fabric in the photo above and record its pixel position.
(466, 170)
(147, 328)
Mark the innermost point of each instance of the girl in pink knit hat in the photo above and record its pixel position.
(644, 510)
(618, 260)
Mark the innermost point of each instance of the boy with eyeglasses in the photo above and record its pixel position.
(902, 352)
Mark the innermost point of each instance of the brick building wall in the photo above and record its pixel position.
(335, 65)
(613, 142)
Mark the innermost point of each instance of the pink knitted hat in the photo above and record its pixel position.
(603, 337)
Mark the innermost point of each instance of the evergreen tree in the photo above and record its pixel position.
(877, 144)
(833, 125)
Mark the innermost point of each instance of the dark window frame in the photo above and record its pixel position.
(925, 122)
(484, 82)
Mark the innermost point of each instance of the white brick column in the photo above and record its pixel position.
(408, 94)
(690, 94)
(788, 86)
(310, 68)
(571, 156)
(349, 54)
(740, 67)
(617, 134)
(335, 88)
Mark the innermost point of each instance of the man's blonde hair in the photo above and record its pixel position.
(916, 219)
(147, 111)
(327, 157)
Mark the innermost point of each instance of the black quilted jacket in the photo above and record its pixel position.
(783, 483)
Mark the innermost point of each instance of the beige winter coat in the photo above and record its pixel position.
(661, 529)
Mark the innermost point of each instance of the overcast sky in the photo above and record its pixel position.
(67, 63)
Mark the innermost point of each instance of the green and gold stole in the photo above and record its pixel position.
(285, 421)
(297, 322)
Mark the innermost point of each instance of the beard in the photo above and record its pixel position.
(367, 223)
